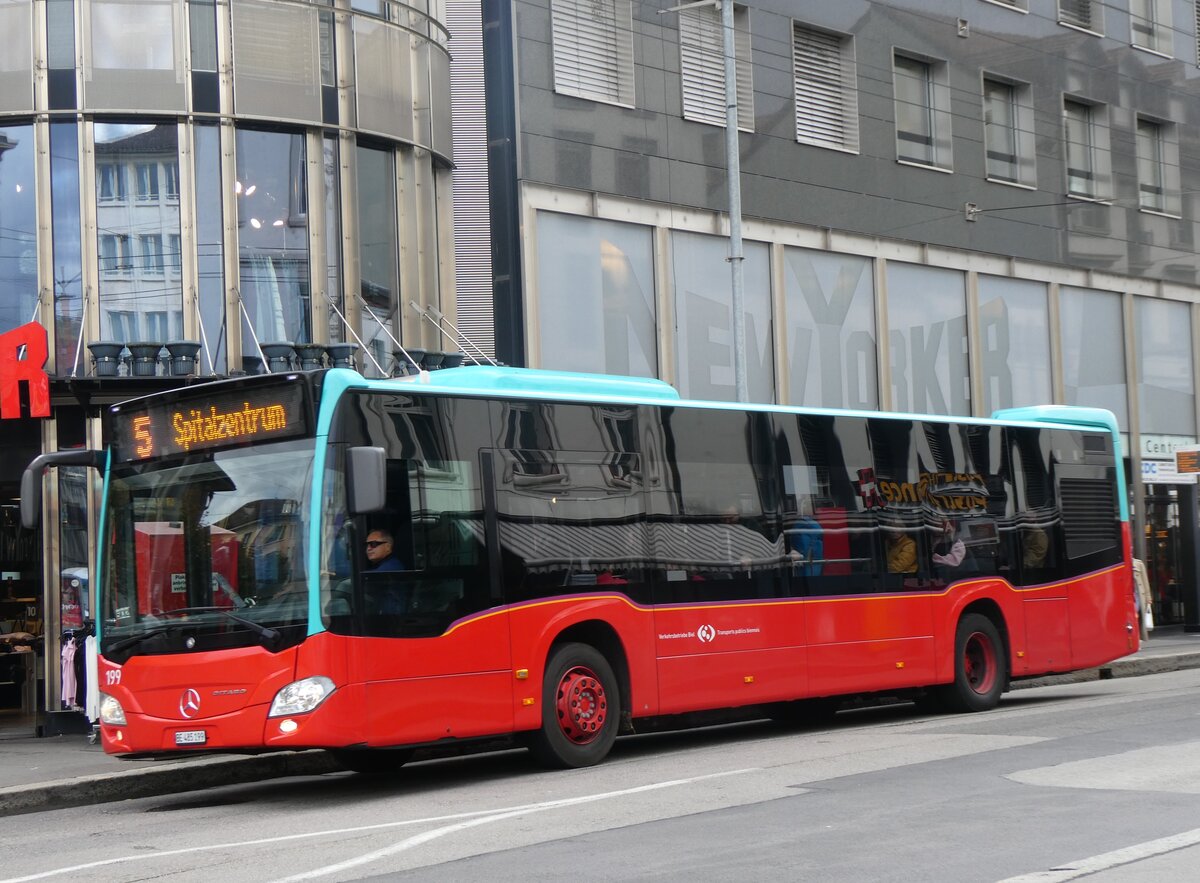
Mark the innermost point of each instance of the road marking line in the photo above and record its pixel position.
(332, 832)
(1107, 860)
(420, 839)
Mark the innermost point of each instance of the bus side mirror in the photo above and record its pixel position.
(31, 479)
(366, 480)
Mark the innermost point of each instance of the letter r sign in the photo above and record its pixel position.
(14, 370)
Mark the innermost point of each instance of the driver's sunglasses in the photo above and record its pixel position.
(371, 544)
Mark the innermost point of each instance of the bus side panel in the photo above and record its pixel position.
(456, 685)
(870, 643)
(1047, 634)
(728, 655)
(1103, 617)
(536, 626)
(729, 680)
(949, 611)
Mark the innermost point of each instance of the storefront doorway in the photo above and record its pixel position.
(1163, 553)
(22, 617)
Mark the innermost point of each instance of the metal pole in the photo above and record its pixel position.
(734, 183)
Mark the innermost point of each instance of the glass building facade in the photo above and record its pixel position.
(213, 179)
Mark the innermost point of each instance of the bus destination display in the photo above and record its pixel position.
(235, 417)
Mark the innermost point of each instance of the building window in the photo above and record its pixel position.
(1150, 21)
(378, 252)
(174, 255)
(110, 182)
(702, 66)
(1022, 5)
(1085, 14)
(114, 255)
(156, 326)
(171, 173)
(1158, 167)
(152, 255)
(922, 112)
(123, 325)
(1086, 134)
(147, 182)
(593, 49)
(1008, 132)
(826, 88)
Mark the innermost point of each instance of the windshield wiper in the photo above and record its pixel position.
(126, 643)
(270, 637)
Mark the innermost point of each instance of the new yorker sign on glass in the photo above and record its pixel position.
(221, 419)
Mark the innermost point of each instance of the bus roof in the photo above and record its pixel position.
(489, 380)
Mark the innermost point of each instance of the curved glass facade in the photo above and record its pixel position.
(229, 174)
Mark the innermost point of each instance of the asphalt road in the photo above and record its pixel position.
(1099, 779)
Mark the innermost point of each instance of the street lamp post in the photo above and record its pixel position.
(733, 166)
(733, 181)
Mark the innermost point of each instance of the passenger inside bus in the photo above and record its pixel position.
(901, 550)
(949, 551)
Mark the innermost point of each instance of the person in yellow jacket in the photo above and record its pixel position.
(901, 551)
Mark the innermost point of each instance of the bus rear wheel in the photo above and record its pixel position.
(980, 666)
(581, 708)
(372, 761)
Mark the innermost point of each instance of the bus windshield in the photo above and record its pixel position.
(207, 553)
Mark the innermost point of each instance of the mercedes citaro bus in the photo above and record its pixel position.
(576, 556)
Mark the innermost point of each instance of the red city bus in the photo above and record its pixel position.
(320, 560)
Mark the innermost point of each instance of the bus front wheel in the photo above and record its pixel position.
(980, 666)
(581, 708)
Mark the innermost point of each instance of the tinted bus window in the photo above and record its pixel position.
(420, 564)
(570, 509)
(713, 525)
(828, 480)
(1036, 526)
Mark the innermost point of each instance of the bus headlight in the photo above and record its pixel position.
(301, 697)
(111, 712)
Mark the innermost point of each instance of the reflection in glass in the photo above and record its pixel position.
(1093, 375)
(1166, 397)
(596, 296)
(377, 252)
(1014, 342)
(928, 335)
(272, 238)
(704, 318)
(210, 262)
(134, 233)
(333, 241)
(831, 329)
(18, 238)
(68, 266)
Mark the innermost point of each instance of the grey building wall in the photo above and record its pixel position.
(649, 152)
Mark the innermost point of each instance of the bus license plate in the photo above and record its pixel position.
(190, 737)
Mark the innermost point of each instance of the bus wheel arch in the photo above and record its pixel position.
(584, 696)
(981, 659)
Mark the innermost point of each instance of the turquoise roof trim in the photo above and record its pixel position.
(1077, 418)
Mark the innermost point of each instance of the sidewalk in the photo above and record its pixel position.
(60, 771)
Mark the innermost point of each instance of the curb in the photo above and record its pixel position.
(1122, 668)
(171, 778)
